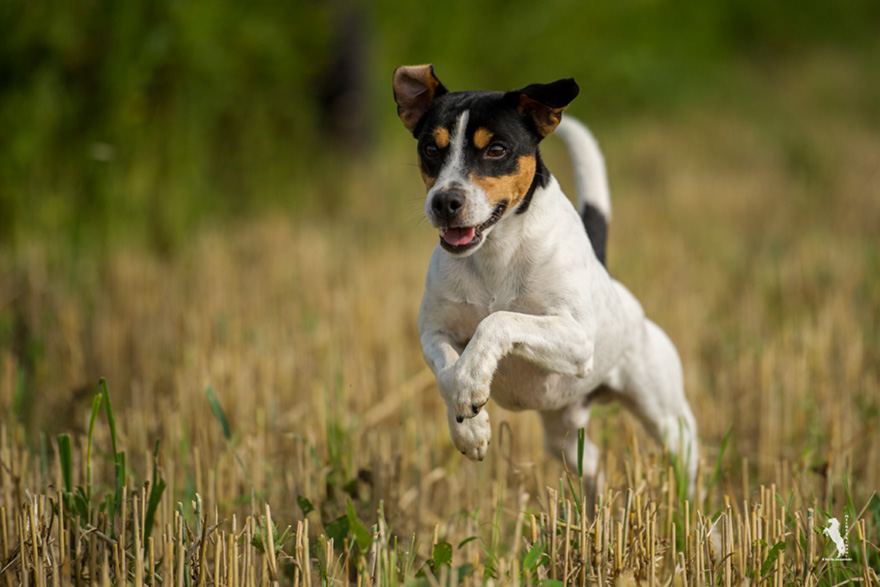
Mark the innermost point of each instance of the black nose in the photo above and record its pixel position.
(447, 204)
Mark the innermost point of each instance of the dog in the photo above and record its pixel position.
(832, 531)
(518, 304)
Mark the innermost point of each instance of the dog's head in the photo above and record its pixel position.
(478, 151)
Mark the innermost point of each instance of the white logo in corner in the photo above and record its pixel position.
(841, 542)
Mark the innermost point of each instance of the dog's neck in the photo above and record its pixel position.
(521, 237)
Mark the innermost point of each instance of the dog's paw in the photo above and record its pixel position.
(470, 394)
(472, 436)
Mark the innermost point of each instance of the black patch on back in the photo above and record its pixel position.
(597, 230)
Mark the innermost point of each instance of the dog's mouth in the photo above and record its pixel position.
(461, 239)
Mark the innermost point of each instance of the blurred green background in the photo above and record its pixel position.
(143, 119)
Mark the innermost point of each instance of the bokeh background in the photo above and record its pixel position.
(145, 119)
(216, 193)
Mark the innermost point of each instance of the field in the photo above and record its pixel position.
(273, 420)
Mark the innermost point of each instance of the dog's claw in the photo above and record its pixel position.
(475, 408)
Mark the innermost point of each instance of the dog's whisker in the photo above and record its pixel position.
(419, 218)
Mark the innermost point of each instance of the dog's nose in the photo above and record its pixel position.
(447, 204)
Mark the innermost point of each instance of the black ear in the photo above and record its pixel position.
(415, 87)
(544, 103)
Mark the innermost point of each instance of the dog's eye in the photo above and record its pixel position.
(496, 151)
(431, 151)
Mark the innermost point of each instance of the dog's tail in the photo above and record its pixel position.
(593, 197)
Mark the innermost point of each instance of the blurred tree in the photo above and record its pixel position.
(343, 92)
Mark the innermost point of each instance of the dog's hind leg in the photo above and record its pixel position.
(652, 387)
(561, 441)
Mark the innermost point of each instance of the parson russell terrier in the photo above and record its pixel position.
(518, 303)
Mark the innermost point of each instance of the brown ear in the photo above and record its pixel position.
(415, 87)
(544, 103)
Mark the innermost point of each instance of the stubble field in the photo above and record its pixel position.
(278, 422)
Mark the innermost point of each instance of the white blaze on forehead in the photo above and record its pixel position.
(454, 172)
(454, 167)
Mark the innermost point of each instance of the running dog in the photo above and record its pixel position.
(518, 304)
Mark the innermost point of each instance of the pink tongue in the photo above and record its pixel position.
(459, 236)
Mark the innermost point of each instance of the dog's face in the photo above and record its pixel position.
(477, 151)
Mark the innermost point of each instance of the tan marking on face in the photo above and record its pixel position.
(429, 181)
(441, 137)
(511, 187)
(482, 138)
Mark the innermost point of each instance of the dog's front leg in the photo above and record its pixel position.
(471, 437)
(558, 343)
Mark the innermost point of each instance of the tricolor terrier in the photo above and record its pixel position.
(518, 303)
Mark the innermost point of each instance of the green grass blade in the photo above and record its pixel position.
(81, 504)
(118, 462)
(772, 555)
(716, 473)
(218, 412)
(467, 540)
(156, 490)
(119, 470)
(227, 433)
(533, 557)
(575, 495)
(110, 419)
(581, 439)
(96, 407)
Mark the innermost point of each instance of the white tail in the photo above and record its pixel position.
(589, 166)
